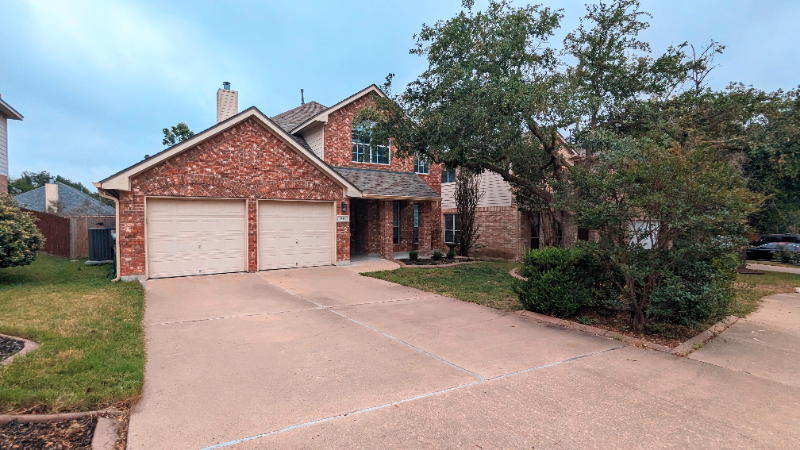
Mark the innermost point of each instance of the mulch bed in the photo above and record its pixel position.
(9, 346)
(69, 434)
(666, 334)
(433, 262)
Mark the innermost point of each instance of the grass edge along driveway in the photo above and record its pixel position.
(89, 328)
(488, 283)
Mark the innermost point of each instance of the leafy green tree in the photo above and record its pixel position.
(176, 134)
(20, 240)
(496, 94)
(671, 220)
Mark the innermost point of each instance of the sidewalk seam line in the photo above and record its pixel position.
(409, 399)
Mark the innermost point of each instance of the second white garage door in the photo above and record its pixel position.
(294, 234)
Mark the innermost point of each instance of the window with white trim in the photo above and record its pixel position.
(452, 228)
(365, 151)
(416, 223)
(448, 176)
(422, 165)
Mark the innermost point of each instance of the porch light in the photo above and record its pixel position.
(344, 207)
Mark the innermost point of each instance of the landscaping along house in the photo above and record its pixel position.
(300, 189)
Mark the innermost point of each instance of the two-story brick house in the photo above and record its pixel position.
(300, 189)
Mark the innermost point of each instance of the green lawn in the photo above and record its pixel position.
(485, 283)
(89, 330)
(750, 289)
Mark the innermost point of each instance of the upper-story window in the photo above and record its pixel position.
(449, 176)
(422, 165)
(365, 151)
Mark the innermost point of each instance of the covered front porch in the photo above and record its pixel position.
(389, 228)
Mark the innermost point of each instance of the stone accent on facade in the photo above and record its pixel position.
(246, 162)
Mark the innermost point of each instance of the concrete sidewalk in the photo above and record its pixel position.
(765, 344)
(326, 358)
(771, 268)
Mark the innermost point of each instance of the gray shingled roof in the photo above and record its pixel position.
(389, 184)
(292, 118)
(74, 202)
(289, 119)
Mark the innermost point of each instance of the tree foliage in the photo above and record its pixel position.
(20, 240)
(665, 216)
(176, 134)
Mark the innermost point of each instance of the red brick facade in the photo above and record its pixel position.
(377, 235)
(247, 162)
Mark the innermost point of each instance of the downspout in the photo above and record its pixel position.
(103, 193)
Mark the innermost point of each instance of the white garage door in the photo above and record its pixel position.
(294, 234)
(195, 237)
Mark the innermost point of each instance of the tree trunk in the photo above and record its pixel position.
(639, 320)
(569, 232)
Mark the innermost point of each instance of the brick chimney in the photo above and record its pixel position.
(51, 197)
(227, 102)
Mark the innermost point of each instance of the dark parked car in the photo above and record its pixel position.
(769, 250)
(767, 238)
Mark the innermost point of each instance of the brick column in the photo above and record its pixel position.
(437, 232)
(406, 227)
(252, 235)
(425, 223)
(385, 226)
(343, 233)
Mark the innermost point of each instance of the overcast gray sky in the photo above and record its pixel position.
(97, 81)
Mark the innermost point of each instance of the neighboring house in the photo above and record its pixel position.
(505, 231)
(6, 112)
(300, 189)
(64, 200)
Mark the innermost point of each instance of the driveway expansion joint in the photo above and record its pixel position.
(239, 315)
(405, 400)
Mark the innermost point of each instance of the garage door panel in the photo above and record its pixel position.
(294, 234)
(195, 237)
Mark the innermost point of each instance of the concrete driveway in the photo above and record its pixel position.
(326, 358)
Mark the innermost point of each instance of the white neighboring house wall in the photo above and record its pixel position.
(315, 137)
(3, 146)
(496, 192)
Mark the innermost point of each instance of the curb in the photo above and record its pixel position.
(431, 266)
(28, 347)
(685, 348)
(515, 273)
(594, 330)
(105, 431)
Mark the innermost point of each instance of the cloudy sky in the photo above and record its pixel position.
(97, 81)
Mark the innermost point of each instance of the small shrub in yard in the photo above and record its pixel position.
(19, 237)
(413, 255)
(437, 255)
(452, 253)
(786, 257)
(559, 280)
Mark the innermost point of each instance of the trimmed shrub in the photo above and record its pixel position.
(785, 256)
(413, 255)
(452, 253)
(560, 280)
(694, 290)
(437, 255)
(19, 237)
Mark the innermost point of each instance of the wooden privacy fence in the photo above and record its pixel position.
(68, 237)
